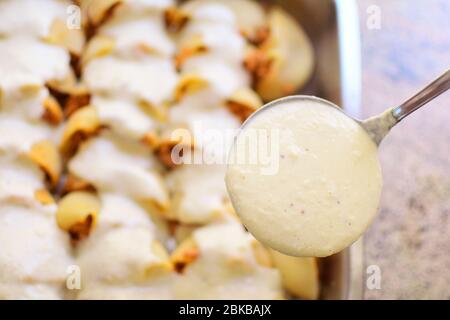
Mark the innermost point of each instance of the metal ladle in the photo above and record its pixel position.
(380, 125)
(376, 127)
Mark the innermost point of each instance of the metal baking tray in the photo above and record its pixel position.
(333, 26)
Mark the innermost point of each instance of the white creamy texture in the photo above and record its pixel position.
(120, 211)
(151, 78)
(117, 256)
(224, 78)
(212, 237)
(19, 181)
(123, 116)
(215, 25)
(148, 31)
(25, 106)
(327, 188)
(204, 99)
(25, 291)
(213, 12)
(18, 136)
(249, 15)
(113, 164)
(226, 268)
(210, 123)
(213, 132)
(139, 6)
(39, 252)
(27, 61)
(30, 17)
(199, 193)
(126, 8)
(159, 288)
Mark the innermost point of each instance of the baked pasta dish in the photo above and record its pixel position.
(90, 116)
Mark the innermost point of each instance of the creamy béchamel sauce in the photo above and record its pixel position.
(326, 189)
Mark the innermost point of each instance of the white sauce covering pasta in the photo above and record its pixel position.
(226, 268)
(139, 6)
(119, 255)
(199, 193)
(114, 164)
(153, 289)
(19, 181)
(34, 253)
(30, 62)
(215, 27)
(30, 17)
(124, 116)
(225, 78)
(151, 79)
(28, 106)
(132, 36)
(18, 136)
(39, 254)
(117, 259)
(132, 81)
(119, 211)
(27, 291)
(208, 120)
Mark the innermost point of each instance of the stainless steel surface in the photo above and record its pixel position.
(434, 89)
(333, 27)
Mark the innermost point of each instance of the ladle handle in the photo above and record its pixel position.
(437, 87)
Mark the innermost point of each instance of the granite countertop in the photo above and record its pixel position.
(410, 238)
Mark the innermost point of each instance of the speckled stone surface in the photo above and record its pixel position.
(410, 238)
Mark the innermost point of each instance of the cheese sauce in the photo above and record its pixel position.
(132, 79)
(35, 253)
(20, 178)
(327, 185)
(18, 136)
(198, 193)
(113, 164)
(227, 268)
(123, 116)
(147, 32)
(30, 62)
(30, 17)
(224, 78)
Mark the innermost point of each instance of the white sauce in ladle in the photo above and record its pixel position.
(326, 189)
